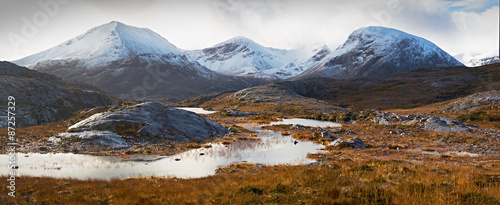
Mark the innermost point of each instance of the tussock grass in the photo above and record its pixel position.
(366, 182)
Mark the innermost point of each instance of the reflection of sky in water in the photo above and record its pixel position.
(197, 110)
(273, 148)
(306, 122)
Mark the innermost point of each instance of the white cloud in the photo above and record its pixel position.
(478, 32)
(195, 24)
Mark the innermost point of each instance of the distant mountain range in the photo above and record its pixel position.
(137, 63)
(479, 59)
(131, 62)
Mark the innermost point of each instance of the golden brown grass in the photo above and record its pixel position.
(352, 182)
(371, 176)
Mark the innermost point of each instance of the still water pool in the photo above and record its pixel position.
(272, 149)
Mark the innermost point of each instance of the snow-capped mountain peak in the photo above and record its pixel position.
(122, 59)
(244, 57)
(380, 37)
(380, 51)
(239, 40)
(106, 43)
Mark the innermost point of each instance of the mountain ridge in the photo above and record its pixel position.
(379, 51)
(118, 59)
(242, 56)
(131, 62)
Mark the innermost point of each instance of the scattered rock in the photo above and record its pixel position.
(434, 123)
(397, 131)
(474, 101)
(54, 139)
(236, 113)
(353, 143)
(325, 134)
(317, 163)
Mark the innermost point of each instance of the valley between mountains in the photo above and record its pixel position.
(416, 125)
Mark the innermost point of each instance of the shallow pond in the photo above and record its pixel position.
(272, 149)
(197, 110)
(306, 122)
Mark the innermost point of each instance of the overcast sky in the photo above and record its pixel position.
(461, 26)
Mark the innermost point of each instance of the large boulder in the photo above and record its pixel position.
(152, 119)
(445, 125)
(353, 143)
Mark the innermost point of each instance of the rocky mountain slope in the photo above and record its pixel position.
(43, 98)
(130, 62)
(378, 51)
(404, 90)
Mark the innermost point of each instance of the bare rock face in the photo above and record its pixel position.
(152, 119)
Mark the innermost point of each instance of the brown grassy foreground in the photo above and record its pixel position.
(349, 182)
